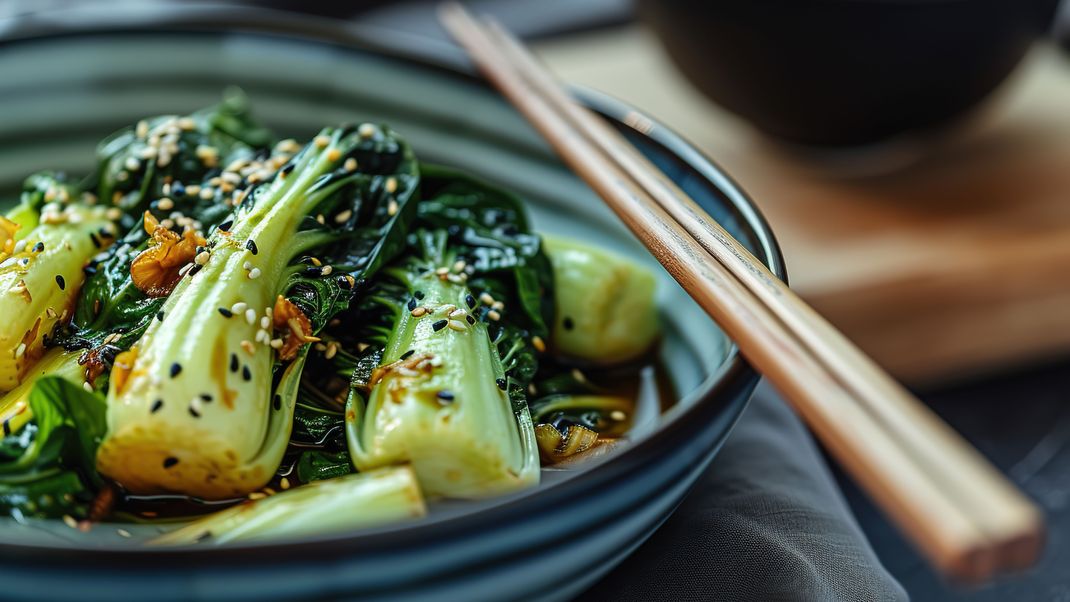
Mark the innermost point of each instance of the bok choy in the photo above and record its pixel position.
(202, 404)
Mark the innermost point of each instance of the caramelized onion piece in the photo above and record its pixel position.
(157, 269)
(555, 446)
(290, 319)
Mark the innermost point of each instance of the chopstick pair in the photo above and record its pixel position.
(962, 513)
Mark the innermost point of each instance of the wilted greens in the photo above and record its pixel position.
(329, 329)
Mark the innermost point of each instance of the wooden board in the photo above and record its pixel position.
(954, 263)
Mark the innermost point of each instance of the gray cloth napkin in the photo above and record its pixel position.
(766, 522)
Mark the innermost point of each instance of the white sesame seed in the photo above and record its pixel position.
(262, 336)
(276, 343)
(142, 129)
(87, 386)
(163, 158)
(69, 521)
(184, 269)
(321, 141)
(20, 247)
(248, 265)
(617, 415)
(392, 207)
(265, 322)
(122, 176)
(486, 299)
(456, 325)
(132, 164)
(207, 193)
(442, 271)
(202, 258)
(123, 532)
(193, 190)
(498, 305)
(419, 311)
(239, 307)
(320, 218)
(366, 130)
(343, 216)
(186, 123)
(447, 308)
(327, 270)
(459, 265)
(457, 313)
(493, 315)
(250, 316)
(350, 164)
(284, 483)
(254, 273)
(114, 213)
(257, 495)
(20, 350)
(195, 405)
(391, 185)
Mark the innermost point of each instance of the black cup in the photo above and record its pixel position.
(847, 72)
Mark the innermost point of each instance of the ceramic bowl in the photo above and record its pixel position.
(67, 81)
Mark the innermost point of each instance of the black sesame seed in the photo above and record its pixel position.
(418, 294)
(89, 270)
(502, 383)
(437, 326)
(194, 413)
(193, 270)
(156, 405)
(177, 189)
(96, 241)
(233, 362)
(206, 397)
(408, 354)
(470, 319)
(568, 324)
(7, 427)
(105, 234)
(251, 246)
(445, 395)
(226, 313)
(314, 270)
(413, 304)
(470, 300)
(344, 282)
(39, 247)
(61, 282)
(225, 226)
(159, 315)
(277, 402)
(169, 462)
(285, 171)
(246, 373)
(176, 369)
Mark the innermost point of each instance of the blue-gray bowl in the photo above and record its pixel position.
(69, 79)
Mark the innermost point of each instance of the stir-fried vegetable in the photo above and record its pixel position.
(606, 311)
(142, 169)
(349, 502)
(448, 396)
(41, 272)
(203, 403)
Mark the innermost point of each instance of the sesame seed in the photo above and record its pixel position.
(407, 354)
(156, 405)
(114, 213)
(447, 308)
(207, 193)
(493, 315)
(498, 305)
(239, 307)
(20, 350)
(246, 374)
(201, 258)
(170, 461)
(254, 273)
(391, 185)
(250, 316)
(366, 130)
(276, 343)
(332, 350)
(159, 315)
(457, 325)
(412, 304)
(257, 495)
(470, 319)
(265, 322)
(132, 164)
(186, 123)
(276, 402)
(226, 313)
(350, 164)
(195, 407)
(262, 336)
(392, 207)
(486, 298)
(567, 323)
(502, 383)
(457, 313)
(234, 365)
(19, 247)
(442, 271)
(165, 204)
(176, 369)
(284, 483)
(538, 343)
(186, 268)
(418, 294)
(62, 283)
(69, 521)
(321, 141)
(334, 154)
(250, 245)
(88, 386)
(470, 301)
(617, 415)
(343, 217)
(123, 532)
(418, 311)
(194, 269)
(439, 325)
(445, 395)
(327, 270)
(142, 129)
(51, 313)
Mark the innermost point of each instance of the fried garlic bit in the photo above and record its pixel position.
(290, 319)
(157, 269)
(8, 229)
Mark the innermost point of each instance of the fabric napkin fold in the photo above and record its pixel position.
(765, 522)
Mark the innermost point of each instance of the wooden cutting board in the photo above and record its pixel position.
(942, 261)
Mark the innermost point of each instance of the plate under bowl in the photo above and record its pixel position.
(70, 82)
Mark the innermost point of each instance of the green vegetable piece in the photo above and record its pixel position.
(606, 311)
(338, 505)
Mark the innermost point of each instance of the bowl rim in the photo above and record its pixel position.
(416, 51)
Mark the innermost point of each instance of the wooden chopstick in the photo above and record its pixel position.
(959, 510)
(958, 467)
